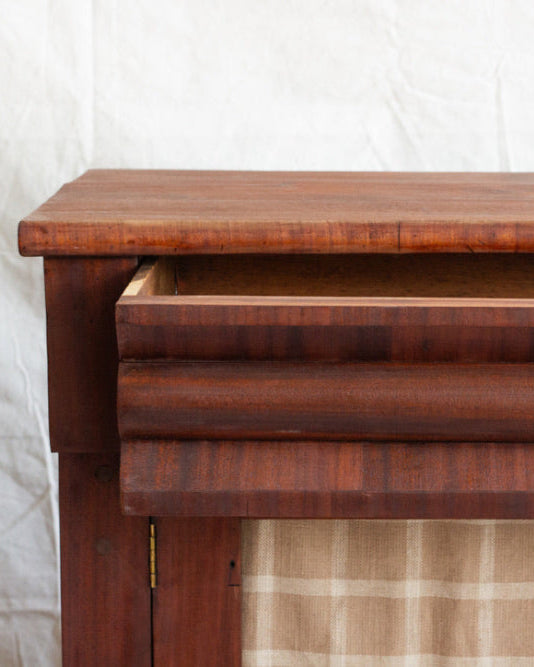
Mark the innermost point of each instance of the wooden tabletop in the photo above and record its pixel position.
(141, 212)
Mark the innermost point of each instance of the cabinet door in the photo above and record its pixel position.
(196, 603)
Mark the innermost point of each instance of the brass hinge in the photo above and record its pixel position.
(152, 554)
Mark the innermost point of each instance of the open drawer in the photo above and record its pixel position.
(462, 308)
(331, 348)
(321, 386)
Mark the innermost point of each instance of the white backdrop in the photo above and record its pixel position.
(233, 84)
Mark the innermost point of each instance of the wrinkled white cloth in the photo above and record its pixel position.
(280, 84)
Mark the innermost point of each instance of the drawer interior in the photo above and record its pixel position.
(356, 275)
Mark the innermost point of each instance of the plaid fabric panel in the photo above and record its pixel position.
(351, 593)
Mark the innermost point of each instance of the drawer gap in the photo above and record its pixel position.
(439, 275)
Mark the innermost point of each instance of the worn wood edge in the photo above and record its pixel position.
(310, 310)
(153, 279)
(141, 283)
(48, 237)
(338, 505)
(35, 239)
(504, 225)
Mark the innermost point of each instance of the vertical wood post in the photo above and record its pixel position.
(197, 602)
(105, 592)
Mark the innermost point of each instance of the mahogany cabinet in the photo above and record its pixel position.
(228, 345)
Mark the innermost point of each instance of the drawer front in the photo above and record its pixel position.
(368, 480)
(269, 401)
(303, 364)
(313, 312)
(308, 389)
(233, 328)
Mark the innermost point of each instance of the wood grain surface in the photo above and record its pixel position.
(105, 593)
(368, 480)
(335, 308)
(82, 350)
(324, 328)
(277, 421)
(119, 212)
(301, 401)
(197, 603)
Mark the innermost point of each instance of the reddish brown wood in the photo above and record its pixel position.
(82, 351)
(114, 212)
(105, 591)
(327, 329)
(327, 480)
(321, 343)
(335, 308)
(301, 401)
(197, 603)
(325, 309)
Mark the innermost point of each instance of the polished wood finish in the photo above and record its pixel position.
(204, 329)
(105, 595)
(306, 480)
(82, 352)
(197, 603)
(117, 212)
(302, 401)
(326, 310)
(330, 308)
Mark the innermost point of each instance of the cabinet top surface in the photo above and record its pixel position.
(135, 212)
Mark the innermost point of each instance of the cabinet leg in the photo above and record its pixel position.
(105, 590)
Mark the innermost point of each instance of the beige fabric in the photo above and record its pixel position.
(351, 593)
